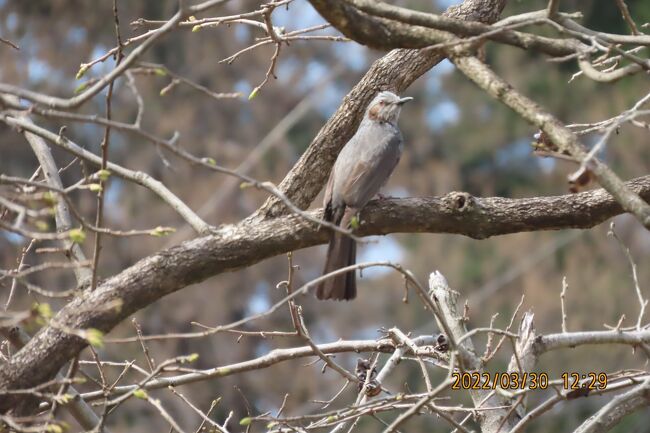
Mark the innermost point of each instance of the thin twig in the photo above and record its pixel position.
(562, 297)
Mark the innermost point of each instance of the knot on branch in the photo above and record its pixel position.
(459, 201)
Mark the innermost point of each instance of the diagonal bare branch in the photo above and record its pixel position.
(395, 71)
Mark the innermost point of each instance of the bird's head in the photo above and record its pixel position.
(386, 107)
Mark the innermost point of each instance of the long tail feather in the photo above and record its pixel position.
(341, 252)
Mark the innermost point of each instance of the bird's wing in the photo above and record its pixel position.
(367, 176)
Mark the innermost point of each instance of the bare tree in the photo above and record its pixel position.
(40, 373)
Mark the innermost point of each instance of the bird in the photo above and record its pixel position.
(361, 169)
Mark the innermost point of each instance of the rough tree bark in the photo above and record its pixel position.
(231, 247)
(395, 71)
(269, 232)
(237, 246)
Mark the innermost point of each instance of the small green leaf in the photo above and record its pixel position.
(42, 225)
(53, 428)
(43, 310)
(209, 160)
(140, 393)
(191, 358)
(82, 70)
(95, 337)
(253, 93)
(245, 185)
(94, 187)
(49, 197)
(160, 72)
(81, 87)
(103, 175)
(331, 418)
(164, 91)
(78, 236)
(245, 421)
(196, 28)
(271, 424)
(64, 399)
(161, 231)
(191, 18)
(354, 222)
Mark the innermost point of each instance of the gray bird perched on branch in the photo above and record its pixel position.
(361, 169)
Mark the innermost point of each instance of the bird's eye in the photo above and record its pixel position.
(381, 102)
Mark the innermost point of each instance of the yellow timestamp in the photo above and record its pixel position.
(588, 381)
(510, 380)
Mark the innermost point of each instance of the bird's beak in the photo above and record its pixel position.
(404, 100)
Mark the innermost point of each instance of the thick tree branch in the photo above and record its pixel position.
(490, 421)
(559, 134)
(359, 26)
(414, 29)
(546, 343)
(395, 71)
(614, 411)
(236, 246)
(78, 408)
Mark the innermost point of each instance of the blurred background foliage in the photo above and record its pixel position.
(457, 139)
